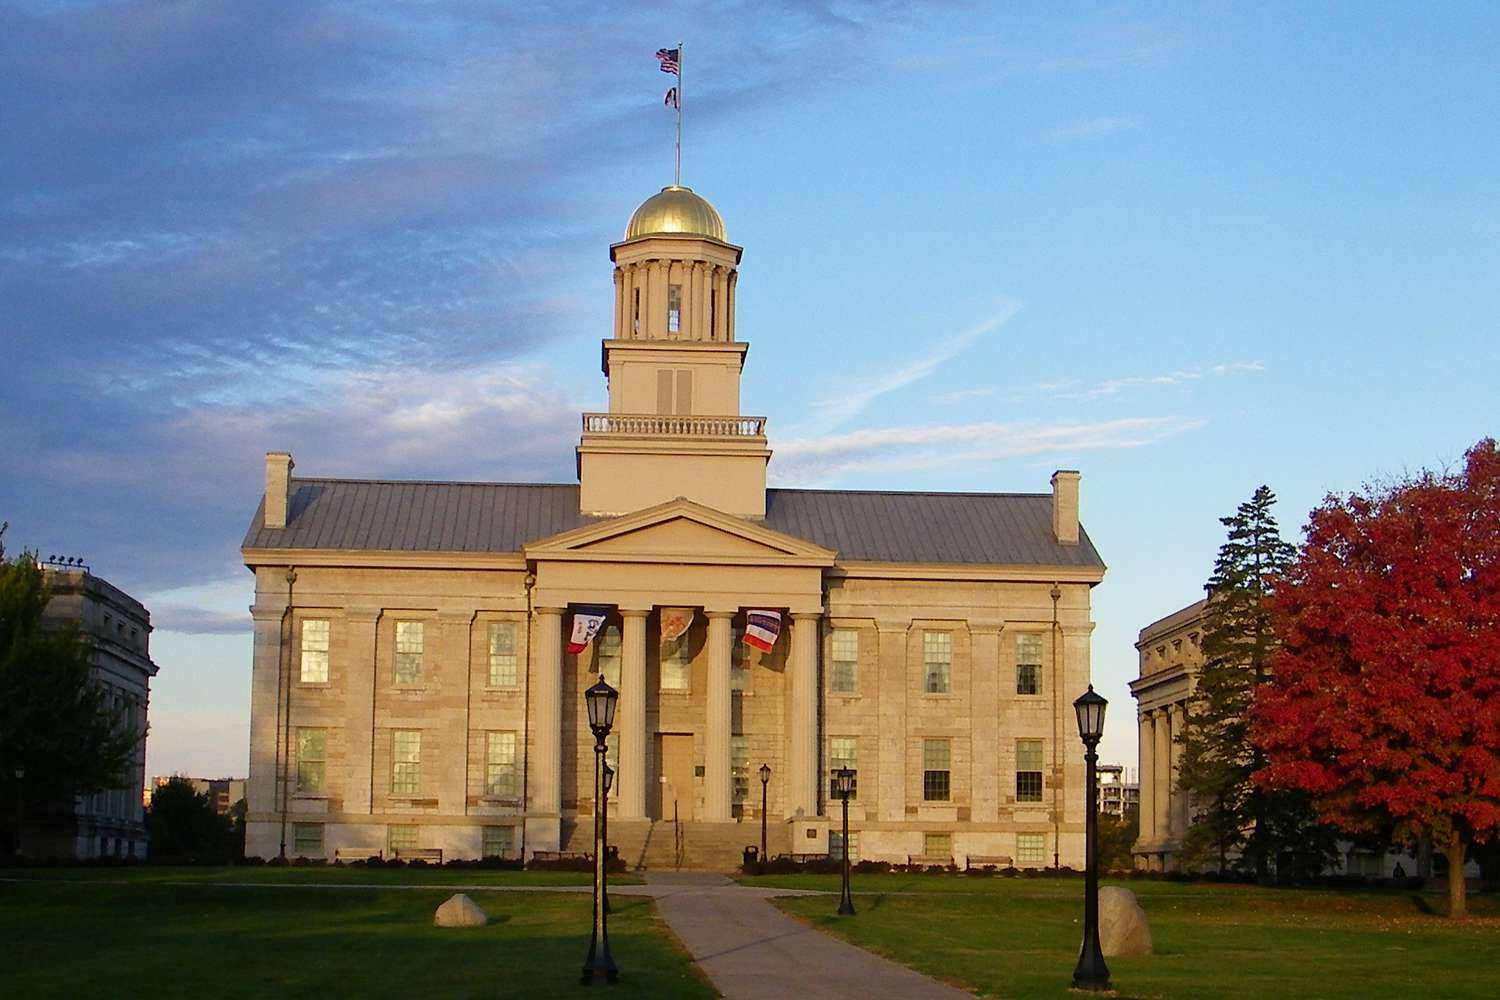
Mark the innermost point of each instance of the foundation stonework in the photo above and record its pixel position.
(412, 692)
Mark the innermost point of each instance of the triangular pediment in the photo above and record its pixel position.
(681, 531)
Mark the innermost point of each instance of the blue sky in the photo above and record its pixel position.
(1186, 250)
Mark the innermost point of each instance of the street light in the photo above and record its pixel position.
(600, 700)
(609, 782)
(20, 810)
(1091, 973)
(843, 787)
(765, 779)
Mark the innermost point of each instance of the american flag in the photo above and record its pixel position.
(670, 61)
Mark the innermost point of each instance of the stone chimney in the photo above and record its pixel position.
(1065, 506)
(278, 487)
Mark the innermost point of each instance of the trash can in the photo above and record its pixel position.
(751, 855)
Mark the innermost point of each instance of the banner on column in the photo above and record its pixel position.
(675, 622)
(586, 624)
(762, 628)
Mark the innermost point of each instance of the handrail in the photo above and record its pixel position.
(671, 425)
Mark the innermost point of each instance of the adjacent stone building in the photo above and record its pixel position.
(412, 692)
(1171, 656)
(109, 823)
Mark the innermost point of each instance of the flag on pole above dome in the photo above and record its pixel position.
(671, 60)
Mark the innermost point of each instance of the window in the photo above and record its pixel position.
(400, 838)
(674, 308)
(408, 652)
(607, 655)
(739, 670)
(1028, 770)
(713, 314)
(845, 655)
(836, 846)
(315, 651)
(635, 313)
(307, 840)
(502, 654)
(500, 765)
(935, 758)
(676, 668)
(1031, 849)
(937, 845)
(674, 392)
(843, 751)
(498, 842)
(406, 761)
(739, 767)
(937, 657)
(312, 752)
(1028, 664)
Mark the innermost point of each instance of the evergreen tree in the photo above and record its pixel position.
(1234, 817)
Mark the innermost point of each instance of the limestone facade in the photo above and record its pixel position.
(412, 689)
(1171, 656)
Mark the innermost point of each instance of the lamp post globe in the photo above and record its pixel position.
(1091, 973)
(843, 787)
(600, 700)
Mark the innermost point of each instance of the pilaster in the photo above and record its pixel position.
(984, 716)
(892, 754)
(361, 625)
(546, 791)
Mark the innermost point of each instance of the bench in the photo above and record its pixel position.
(431, 855)
(562, 855)
(357, 854)
(929, 860)
(986, 861)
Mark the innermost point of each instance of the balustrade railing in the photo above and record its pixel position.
(660, 424)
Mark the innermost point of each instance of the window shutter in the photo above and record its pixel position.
(684, 393)
(664, 392)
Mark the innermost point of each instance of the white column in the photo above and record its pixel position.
(619, 302)
(717, 790)
(1162, 768)
(546, 794)
(1147, 778)
(1179, 815)
(700, 302)
(631, 715)
(654, 320)
(721, 308)
(802, 717)
(734, 277)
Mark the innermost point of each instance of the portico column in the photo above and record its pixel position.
(716, 778)
(1147, 779)
(1162, 761)
(631, 715)
(1178, 797)
(802, 718)
(546, 795)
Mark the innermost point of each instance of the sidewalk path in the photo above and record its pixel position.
(750, 949)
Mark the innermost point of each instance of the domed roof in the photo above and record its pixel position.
(676, 211)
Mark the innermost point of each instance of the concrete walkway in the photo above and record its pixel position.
(750, 949)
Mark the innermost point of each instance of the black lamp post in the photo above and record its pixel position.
(765, 779)
(609, 782)
(600, 699)
(1091, 973)
(843, 787)
(20, 810)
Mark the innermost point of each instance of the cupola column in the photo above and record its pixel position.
(655, 325)
(720, 299)
(619, 301)
(700, 301)
(734, 279)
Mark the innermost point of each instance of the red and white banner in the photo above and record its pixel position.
(586, 624)
(762, 629)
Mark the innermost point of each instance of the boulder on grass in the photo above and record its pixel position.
(459, 910)
(1123, 929)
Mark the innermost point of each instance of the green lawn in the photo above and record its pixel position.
(1018, 938)
(312, 874)
(87, 937)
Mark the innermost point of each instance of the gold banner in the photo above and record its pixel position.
(675, 622)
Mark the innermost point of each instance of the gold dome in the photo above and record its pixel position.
(676, 211)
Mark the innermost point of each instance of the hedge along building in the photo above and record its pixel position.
(413, 691)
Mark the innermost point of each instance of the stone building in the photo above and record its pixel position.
(1170, 657)
(412, 691)
(109, 823)
(1118, 791)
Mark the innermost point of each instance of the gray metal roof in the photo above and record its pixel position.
(405, 516)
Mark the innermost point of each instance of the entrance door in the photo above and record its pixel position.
(674, 755)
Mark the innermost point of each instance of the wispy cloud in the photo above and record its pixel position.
(1092, 128)
(848, 398)
(818, 460)
(1076, 389)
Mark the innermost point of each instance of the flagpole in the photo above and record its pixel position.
(678, 180)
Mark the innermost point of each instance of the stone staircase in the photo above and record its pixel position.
(662, 845)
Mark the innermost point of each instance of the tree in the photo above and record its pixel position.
(184, 826)
(1219, 757)
(1117, 835)
(56, 726)
(1386, 701)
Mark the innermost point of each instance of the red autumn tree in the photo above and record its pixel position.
(1386, 699)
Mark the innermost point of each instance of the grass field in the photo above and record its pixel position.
(154, 932)
(312, 874)
(1018, 938)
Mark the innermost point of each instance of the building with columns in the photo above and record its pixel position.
(1171, 655)
(412, 689)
